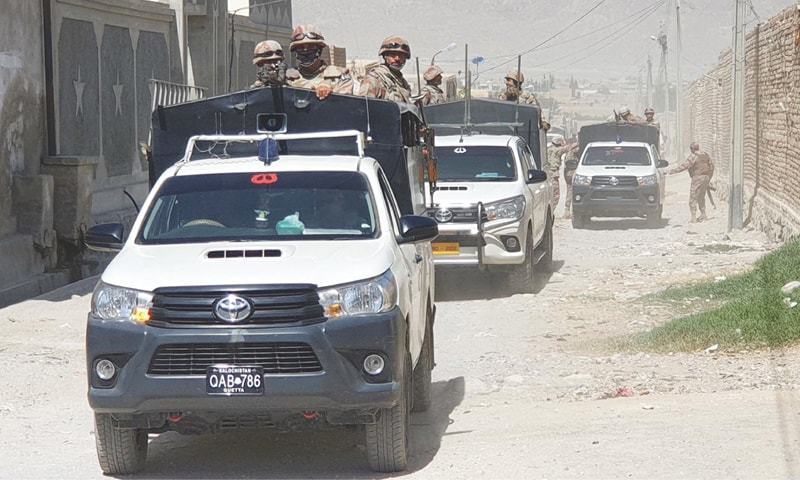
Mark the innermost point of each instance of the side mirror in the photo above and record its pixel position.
(536, 176)
(571, 164)
(106, 237)
(663, 164)
(415, 228)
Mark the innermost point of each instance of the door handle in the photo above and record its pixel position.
(418, 258)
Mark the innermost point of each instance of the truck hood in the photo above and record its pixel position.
(470, 193)
(616, 170)
(322, 263)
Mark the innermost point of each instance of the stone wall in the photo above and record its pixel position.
(772, 123)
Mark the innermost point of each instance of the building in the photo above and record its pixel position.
(75, 102)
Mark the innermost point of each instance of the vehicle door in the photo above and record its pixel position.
(662, 182)
(539, 191)
(417, 260)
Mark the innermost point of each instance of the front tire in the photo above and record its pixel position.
(546, 263)
(387, 439)
(421, 399)
(119, 451)
(579, 221)
(654, 219)
(521, 277)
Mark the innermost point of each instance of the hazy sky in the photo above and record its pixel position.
(612, 40)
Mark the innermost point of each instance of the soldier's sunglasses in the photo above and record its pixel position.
(278, 53)
(310, 35)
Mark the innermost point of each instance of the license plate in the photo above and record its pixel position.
(446, 248)
(234, 380)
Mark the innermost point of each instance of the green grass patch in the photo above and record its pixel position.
(748, 310)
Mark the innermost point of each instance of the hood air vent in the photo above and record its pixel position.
(453, 188)
(243, 254)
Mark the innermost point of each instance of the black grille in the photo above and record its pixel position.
(621, 194)
(271, 305)
(623, 181)
(195, 358)
(462, 240)
(460, 215)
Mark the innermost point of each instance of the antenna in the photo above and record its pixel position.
(519, 76)
(419, 79)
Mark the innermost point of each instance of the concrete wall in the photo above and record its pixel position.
(21, 100)
(772, 123)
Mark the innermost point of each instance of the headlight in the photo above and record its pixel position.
(647, 180)
(511, 209)
(121, 304)
(376, 295)
(581, 180)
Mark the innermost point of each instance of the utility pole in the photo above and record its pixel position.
(649, 100)
(678, 82)
(736, 210)
(664, 79)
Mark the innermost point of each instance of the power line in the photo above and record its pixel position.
(548, 39)
(619, 34)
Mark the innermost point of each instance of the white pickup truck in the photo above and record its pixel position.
(494, 207)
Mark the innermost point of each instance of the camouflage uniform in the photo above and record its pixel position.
(511, 94)
(433, 95)
(701, 169)
(553, 169)
(269, 61)
(385, 82)
(315, 78)
(308, 44)
(571, 153)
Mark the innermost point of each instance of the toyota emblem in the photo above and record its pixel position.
(613, 181)
(443, 215)
(232, 309)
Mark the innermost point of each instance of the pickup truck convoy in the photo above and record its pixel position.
(279, 274)
(618, 174)
(491, 199)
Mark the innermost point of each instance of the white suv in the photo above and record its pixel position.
(264, 295)
(493, 205)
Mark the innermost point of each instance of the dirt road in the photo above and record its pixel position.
(521, 387)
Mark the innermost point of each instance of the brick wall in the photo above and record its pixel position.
(772, 123)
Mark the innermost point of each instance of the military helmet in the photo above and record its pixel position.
(694, 146)
(516, 75)
(649, 111)
(306, 35)
(558, 141)
(432, 72)
(332, 71)
(624, 111)
(267, 50)
(395, 44)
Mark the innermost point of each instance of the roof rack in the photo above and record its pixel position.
(477, 125)
(360, 139)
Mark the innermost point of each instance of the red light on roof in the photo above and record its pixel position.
(264, 178)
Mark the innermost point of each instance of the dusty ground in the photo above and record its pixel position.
(520, 388)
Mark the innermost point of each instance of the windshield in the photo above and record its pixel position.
(261, 206)
(475, 164)
(616, 156)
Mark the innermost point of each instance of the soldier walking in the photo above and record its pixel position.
(269, 61)
(307, 45)
(514, 91)
(701, 170)
(386, 81)
(554, 156)
(571, 153)
(432, 91)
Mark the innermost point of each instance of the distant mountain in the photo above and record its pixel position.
(611, 42)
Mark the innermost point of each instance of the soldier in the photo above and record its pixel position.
(307, 45)
(386, 80)
(340, 76)
(650, 117)
(433, 93)
(570, 153)
(553, 167)
(269, 61)
(625, 115)
(701, 169)
(513, 91)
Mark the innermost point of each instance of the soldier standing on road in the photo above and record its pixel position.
(269, 61)
(307, 45)
(701, 169)
(433, 94)
(386, 80)
(514, 91)
(554, 168)
(570, 153)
